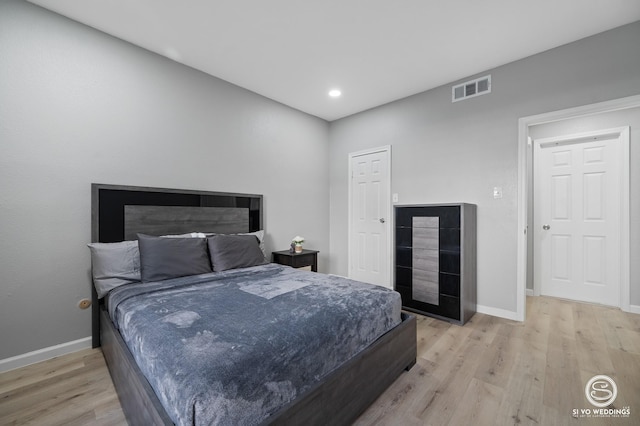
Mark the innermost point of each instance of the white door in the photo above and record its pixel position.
(577, 206)
(370, 211)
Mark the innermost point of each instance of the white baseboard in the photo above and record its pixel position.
(496, 312)
(634, 309)
(529, 292)
(44, 354)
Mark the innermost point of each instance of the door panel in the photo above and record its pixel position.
(561, 197)
(594, 197)
(561, 257)
(595, 255)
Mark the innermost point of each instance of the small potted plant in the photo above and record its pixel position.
(297, 243)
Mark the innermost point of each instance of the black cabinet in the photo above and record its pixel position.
(435, 268)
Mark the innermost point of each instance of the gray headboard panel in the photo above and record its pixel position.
(163, 220)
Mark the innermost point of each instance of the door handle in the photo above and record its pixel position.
(382, 220)
(546, 227)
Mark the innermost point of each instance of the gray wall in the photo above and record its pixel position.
(448, 152)
(628, 117)
(78, 106)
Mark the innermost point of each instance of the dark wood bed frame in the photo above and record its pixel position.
(338, 399)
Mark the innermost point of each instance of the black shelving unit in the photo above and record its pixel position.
(435, 259)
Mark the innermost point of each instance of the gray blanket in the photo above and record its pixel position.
(233, 347)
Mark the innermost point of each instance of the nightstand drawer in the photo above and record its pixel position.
(297, 260)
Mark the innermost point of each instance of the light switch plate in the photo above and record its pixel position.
(497, 192)
(394, 197)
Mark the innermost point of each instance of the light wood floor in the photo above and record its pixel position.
(490, 372)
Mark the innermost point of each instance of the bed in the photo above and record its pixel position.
(307, 391)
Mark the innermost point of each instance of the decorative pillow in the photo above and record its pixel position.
(234, 251)
(114, 264)
(164, 258)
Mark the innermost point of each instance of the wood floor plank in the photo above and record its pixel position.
(454, 374)
(561, 371)
(535, 330)
(40, 398)
(69, 390)
(620, 329)
(481, 402)
(627, 378)
(428, 331)
(524, 392)
(483, 328)
(498, 360)
(491, 371)
(591, 343)
(447, 345)
(37, 372)
(406, 396)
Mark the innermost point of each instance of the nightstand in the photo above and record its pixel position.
(297, 260)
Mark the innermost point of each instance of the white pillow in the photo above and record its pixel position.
(189, 235)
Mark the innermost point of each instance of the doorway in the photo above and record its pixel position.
(370, 216)
(593, 113)
(577, 208)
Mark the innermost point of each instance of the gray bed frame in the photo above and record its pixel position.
(338, 399)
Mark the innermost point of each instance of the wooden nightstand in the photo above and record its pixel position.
(297, 260)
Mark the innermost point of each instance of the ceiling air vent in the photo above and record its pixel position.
(472, 88)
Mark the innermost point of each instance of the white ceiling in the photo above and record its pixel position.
(375, 51)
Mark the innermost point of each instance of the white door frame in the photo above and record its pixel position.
(389, 220)
(523, 194)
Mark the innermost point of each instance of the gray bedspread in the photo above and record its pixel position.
(233, 347)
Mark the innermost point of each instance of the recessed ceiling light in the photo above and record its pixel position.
(335, 93)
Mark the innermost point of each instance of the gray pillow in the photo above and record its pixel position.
(258, 234)
(234, 251)
(164, 258)
(114, 264)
